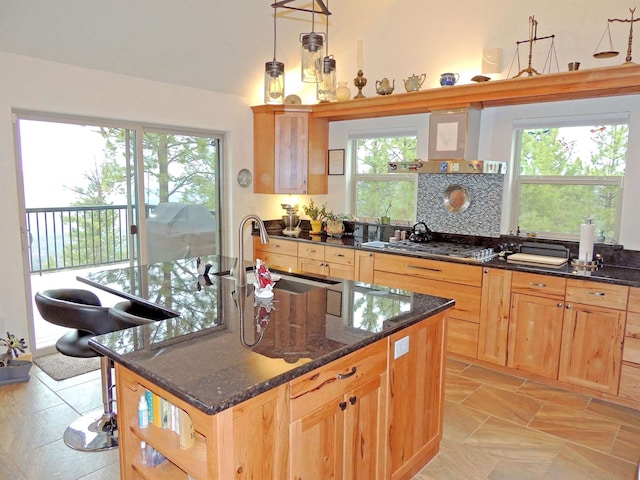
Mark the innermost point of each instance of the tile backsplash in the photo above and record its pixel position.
(482, 217)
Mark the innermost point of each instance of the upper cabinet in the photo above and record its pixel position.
(289, 150)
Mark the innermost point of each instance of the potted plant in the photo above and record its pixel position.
(316, 214)
(386, 219)
(12, 370)
(335, 224)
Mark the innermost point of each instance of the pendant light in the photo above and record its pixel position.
(311, 68)
(274, 73)
(327, 86)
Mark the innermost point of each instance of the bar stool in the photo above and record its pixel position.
(82, 311)
(137, 313)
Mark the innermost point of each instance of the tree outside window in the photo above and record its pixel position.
(379, 193)
(568, 174)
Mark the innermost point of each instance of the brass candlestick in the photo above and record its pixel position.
(359, 82)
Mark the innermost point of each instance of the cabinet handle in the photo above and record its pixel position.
(339, 254)
(559, 304)
(424, 268)
(597, 294)
(541, 285)
(342, 376)
(343, 405)
(486, 270)
(353, 400)
(311, 250)
(569, 306)
(276, 245)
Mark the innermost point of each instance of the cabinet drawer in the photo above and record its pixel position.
(631, 352)
(278, 261)
(276, 245)
(597, 294)
(462, 337)
(634, 300)
(344, 256)
(432, 269)
(541, 285)
(633, 325)
(630, 382)
(335, 379)
(311, 251)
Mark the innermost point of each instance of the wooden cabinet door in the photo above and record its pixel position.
(592, 341)
(338, 270)
(416, 393)
(291, 152)
(535, 330)
(364, 431)
(363, 269)
(317, 442)
(312, 266)
(494, 315)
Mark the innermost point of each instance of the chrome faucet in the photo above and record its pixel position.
(241, 273)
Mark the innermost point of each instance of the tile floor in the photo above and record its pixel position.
(496, 427)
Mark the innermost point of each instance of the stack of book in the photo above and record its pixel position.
(165, 415)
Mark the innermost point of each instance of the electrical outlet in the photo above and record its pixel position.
(401, 347)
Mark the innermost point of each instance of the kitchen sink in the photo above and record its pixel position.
(375, 244)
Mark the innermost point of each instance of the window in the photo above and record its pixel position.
(566, 174)
(378, 193)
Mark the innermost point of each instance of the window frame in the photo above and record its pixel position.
(559, 122)
(380, 177)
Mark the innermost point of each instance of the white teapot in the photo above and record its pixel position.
(414, 82)
(383, 87)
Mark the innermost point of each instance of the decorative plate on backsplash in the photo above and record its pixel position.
(456, 198)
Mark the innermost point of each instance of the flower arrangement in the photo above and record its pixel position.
(14, 347)
(315, 212)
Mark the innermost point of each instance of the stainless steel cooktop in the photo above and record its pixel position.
(467, 253)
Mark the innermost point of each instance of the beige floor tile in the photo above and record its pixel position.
(69, 382)
(455, 367)
(460, 422)
(56, 460)
(554, 395)
(456, 388)
(503, 404)
(40, 428)
(577, 426)
(8, 469)
(85, 397)
(110, 472)
(621, 414)
(456, 462)
(574, 462)
(490, 377)
(627, 444)
(22, 399)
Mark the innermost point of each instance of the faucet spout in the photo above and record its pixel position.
(241, 274)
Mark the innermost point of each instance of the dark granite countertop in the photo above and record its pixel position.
(624, 273)
(227, 346)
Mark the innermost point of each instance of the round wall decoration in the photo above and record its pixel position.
(456, 198)
(244, 178)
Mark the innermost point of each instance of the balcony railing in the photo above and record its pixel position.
(74, 237)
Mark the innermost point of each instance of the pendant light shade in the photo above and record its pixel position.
(327, 85)
(274, 74)
(311, 68)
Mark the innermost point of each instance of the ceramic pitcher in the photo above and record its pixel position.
(449, 79)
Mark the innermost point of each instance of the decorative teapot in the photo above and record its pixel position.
(414, 82)
(383, 87)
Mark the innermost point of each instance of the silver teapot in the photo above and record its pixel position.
(414, 82)
(383, 87)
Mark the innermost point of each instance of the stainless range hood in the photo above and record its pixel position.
(453, 146)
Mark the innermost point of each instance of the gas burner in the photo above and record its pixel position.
(467, 253)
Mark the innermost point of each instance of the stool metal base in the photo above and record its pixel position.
(93, 432)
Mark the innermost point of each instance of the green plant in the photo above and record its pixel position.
(14, 346)
(337, 217)
(315, 212)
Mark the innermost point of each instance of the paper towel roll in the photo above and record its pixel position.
(587, 235)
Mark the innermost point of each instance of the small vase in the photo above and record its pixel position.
(316, 226)
(342, 92)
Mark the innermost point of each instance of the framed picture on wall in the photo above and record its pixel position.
(336, 162)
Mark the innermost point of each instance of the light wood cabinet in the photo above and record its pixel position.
(363, 268)
(416, 393)
(277, 253)
(593, 335)
(494, 315)
(326, 260)
(630, 371)
(442, 279)
(535, 324)
(337, 418)
(289, 150)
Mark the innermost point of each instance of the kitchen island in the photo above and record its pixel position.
(329, 379)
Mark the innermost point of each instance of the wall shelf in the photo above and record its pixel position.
(581, 84)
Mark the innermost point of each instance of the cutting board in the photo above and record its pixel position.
(530, 259)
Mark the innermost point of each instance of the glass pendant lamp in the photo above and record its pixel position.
(274, 74)
(311, 69)
(327, 86)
